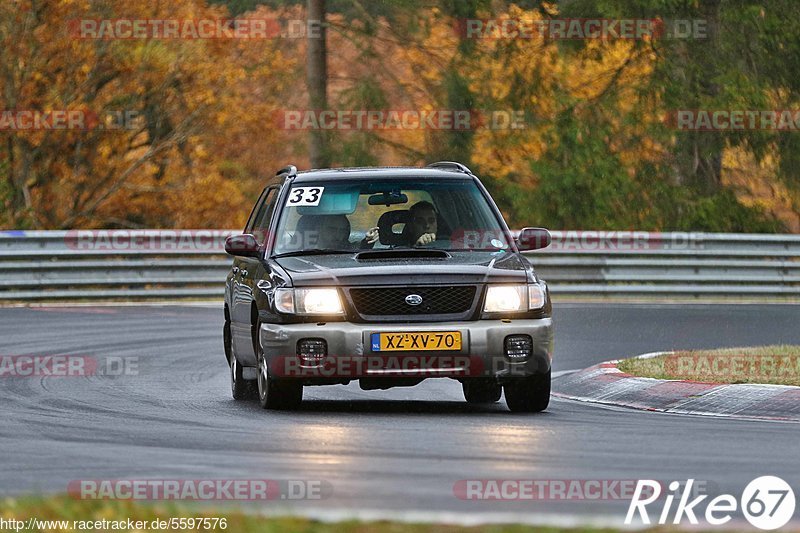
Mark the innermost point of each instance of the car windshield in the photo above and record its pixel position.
(345, 216)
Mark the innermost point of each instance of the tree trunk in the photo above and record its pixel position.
(701, 152)
(317, 80)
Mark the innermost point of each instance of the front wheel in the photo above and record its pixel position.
(276, 394)
(241, 389)
(529, 394)
(478, 391)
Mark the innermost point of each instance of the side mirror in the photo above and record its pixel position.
(244, 245)
(533, 239)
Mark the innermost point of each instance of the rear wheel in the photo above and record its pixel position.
(529, 394)
(479, 391)
(274, 393)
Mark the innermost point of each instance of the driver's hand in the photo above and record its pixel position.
(372, 235)
(426, 238)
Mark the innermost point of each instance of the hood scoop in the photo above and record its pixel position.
(401, 253)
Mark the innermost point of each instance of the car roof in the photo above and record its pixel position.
(379, 172)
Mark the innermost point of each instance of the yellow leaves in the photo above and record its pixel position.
(198, 104)
(602, 63)
(436, 51)
(755, 184)
(213, 199)
(507, 153)
(551, 8)
(208, 106)
(501, 159)
(602, 76)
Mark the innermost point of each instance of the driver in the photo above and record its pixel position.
(424, 222)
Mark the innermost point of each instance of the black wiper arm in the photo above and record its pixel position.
(313, 251)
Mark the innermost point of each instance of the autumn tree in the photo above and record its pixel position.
(190, 107)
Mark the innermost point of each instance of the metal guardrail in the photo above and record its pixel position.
(177, 264)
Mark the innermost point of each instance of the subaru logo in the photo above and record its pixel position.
(413, 299)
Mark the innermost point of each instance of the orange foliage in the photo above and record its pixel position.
(198, 144)
(203, 140)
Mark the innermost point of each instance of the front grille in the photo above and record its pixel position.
(392, 301)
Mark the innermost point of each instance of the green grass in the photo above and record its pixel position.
(66, 508)
(778, 365)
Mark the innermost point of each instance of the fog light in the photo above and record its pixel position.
(519, 347)
(312, 351)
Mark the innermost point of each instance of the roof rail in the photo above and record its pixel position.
(451, 165)
(289, 171)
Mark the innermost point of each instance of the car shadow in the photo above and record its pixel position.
(396, 407)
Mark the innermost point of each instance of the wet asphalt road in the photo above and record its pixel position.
(394, 452)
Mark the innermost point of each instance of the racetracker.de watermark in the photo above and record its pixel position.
(192, 29)
(144, 240)
(764, 368)
(200, 489)
(399, 119)
(557, 489)
(580, 28)
(28, 366)
(734, 119)
(589, 240)
(68, 119)
(401, 365)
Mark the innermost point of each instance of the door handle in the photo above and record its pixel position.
(235, 270)
(244, 272)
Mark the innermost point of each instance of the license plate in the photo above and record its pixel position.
(413, 341)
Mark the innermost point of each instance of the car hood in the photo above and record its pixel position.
(460, 268)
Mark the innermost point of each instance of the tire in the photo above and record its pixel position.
(528, 395)
(480, 391)
(276, 394)
(241, 389)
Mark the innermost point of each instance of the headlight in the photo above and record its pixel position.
(513, 298)
(506, 298)
(308, 301)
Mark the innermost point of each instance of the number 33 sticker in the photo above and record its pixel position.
(299, 196)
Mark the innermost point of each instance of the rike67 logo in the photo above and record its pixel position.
(767, 503)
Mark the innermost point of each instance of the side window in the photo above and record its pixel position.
(258, 210)
(261, 220)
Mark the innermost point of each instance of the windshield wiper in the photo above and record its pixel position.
(313, 251)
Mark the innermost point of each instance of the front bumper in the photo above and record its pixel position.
(350, 354)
